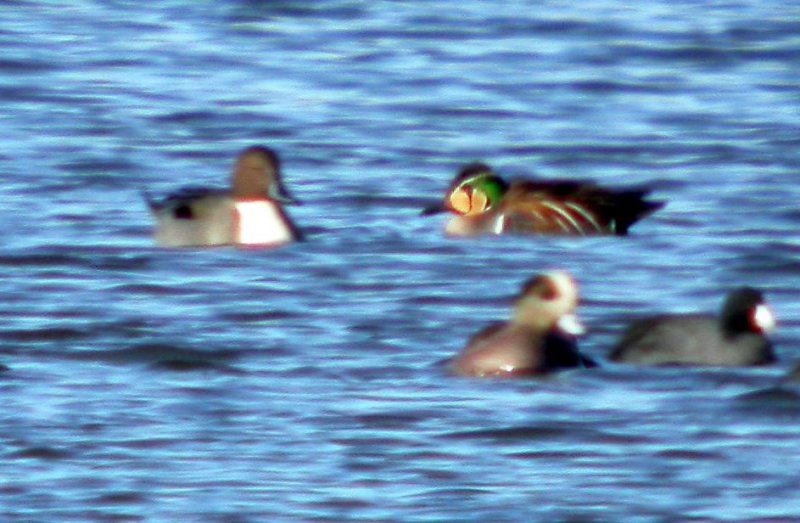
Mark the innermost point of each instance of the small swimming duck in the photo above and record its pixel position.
(735, 338)
(484, 203)
(249, 214)
(540, 337)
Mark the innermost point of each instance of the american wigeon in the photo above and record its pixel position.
(539, 337)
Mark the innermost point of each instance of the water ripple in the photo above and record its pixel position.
(305, 383)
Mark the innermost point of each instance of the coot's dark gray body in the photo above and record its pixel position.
(735, 338)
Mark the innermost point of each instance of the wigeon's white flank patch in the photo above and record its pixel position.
(261, 223)
(570, 324)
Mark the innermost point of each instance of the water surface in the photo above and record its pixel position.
(303, 384)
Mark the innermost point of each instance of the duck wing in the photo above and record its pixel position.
(183, 203)
(573, 208)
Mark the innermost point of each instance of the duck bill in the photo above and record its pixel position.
(570, 324)
(279, 193)
(434, 209)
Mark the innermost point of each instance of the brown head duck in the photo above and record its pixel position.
(249, 213)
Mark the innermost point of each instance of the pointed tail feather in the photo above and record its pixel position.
(151, 202)
(632, 207)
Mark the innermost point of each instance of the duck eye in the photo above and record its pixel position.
(549, 293)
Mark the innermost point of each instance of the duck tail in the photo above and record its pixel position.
(632, 206)
(151, 202)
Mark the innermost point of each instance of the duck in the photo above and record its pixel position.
(737, 337)
(540, 336)
(248, 214)
(483, 203)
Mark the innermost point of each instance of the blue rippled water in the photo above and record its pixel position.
(303, 384)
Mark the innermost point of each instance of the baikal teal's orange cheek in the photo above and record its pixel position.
(480, 202)
(460, 201)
